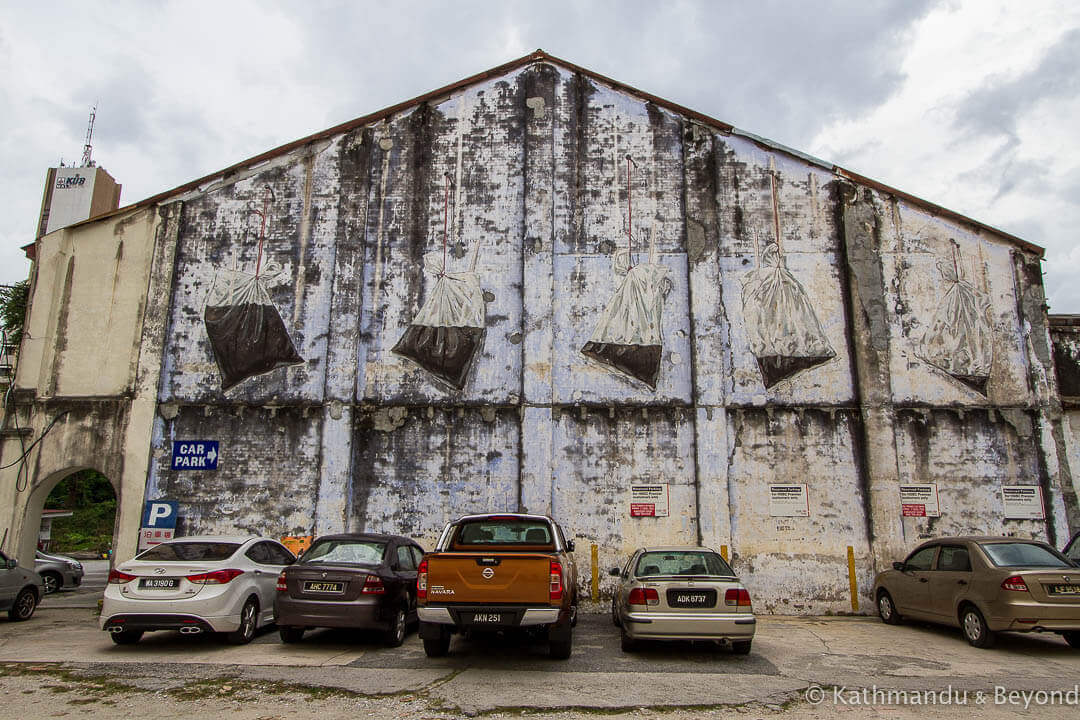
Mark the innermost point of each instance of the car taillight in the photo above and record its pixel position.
(555, 588)
(644, 596)
(421, 581)
(373, 586)
(218, 577)
(119, 578)
(282, 583)
(1014, 582)
(737, 597)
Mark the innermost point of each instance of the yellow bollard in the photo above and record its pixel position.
(851, 579)
(595, 574)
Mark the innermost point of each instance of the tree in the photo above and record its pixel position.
(13, 300)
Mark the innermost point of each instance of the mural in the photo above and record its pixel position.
(246, 332)
(959, 340)
(629, 337)
(783, 330)
(446, 334)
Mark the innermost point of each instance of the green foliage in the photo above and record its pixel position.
(13, 300)
(89, 495)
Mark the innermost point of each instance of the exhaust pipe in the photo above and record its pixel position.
(191, 630)
(115, 629)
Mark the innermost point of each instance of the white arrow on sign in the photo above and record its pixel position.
(211, 455)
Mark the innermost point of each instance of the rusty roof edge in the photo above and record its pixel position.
(541, 56)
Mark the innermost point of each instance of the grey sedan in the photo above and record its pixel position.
(20, 589)
(58, 571)
(682, 593)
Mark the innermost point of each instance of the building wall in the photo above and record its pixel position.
(800, 325)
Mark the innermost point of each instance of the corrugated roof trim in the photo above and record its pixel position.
(541, 56)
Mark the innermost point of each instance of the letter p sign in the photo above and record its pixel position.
(160, 514)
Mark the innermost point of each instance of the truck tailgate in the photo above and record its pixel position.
(459, 577)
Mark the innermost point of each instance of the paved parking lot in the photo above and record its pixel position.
(485, 675)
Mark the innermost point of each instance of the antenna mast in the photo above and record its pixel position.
(88, 148)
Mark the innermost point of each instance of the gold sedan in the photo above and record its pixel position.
(984, 585)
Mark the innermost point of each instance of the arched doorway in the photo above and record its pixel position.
(78, 522)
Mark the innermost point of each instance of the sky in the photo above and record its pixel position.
(970, 104)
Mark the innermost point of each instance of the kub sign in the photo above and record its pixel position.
(194, 454)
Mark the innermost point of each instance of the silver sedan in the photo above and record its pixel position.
(682, 593)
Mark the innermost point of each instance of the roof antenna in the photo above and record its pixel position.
(88, 148)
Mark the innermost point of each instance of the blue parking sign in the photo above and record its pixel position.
(194, 454)
(160, 514)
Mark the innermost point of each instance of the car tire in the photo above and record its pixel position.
(615, 611)
(1073, 638)
(249, 621)
(52, 582)
(395, 634)
(741, 647)
(290, 635)
(560, 642)
(973, 625)
(437, 646)
(25, 604)
(886, 609)
(126, 637)
(628, 643)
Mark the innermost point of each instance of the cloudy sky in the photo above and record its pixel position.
(971, 104)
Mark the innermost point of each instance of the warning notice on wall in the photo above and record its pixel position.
(1022, 502)
(649, 500)
(919, 500)
(789, 501)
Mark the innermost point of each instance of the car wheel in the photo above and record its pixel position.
(291, 634)
(974, 626)
(25, 604)
(1073, 638)
(52, 582)
(887, 609)
(615, 611)
(395, 634)
(741, 647)
(126, 637)
(437, 646)
(628, 643)
(560, 643)
(249, 618)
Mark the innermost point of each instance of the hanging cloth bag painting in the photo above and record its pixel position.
(784, 333)
(959, 340)
(246, 332)
(628, 337)
(445, 335)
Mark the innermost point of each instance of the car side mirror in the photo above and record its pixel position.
(570, 545)
(12, 564)
(614, 572)
(898, 566)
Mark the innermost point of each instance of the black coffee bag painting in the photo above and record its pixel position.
(628, 338)
(783, 330)
(959, 339)
(448, 331)
(246, 332)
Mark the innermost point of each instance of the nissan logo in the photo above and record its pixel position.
(488, 573)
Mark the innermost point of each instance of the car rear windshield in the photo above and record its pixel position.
(345, 552)
(1021, 554)
(508, 531)
(690, 562)
(189, 551)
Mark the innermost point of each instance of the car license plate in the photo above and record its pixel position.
(324, 587)
(1065, 589)
(488, 619)
(158, 583)
(691, 598)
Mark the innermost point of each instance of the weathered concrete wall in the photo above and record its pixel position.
(799, 317)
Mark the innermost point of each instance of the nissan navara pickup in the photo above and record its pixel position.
(497, 573)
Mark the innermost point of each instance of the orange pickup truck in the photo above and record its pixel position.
(498, 572)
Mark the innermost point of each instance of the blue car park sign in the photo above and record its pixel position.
(194, 454)
(160, 514)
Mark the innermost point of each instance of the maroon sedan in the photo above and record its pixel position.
(358, 580)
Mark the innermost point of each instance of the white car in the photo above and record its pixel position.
(195, 585)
